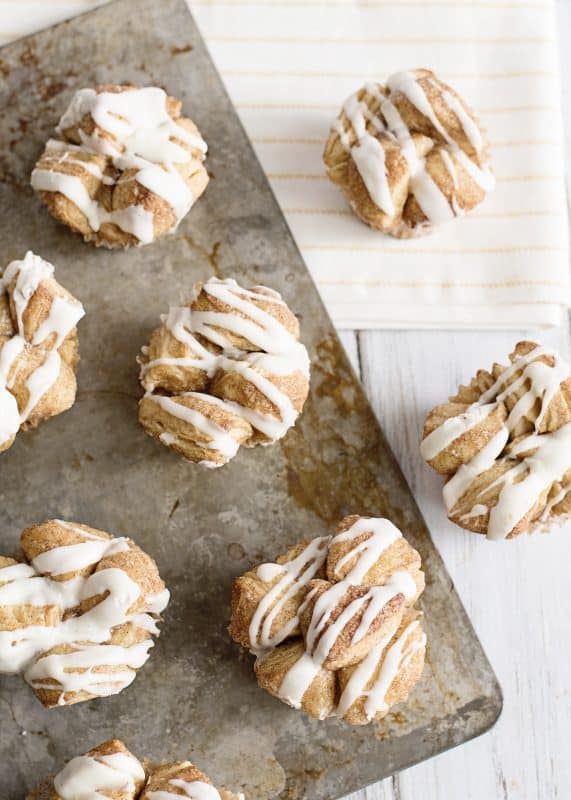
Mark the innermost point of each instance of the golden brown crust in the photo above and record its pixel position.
(174, 378)
(247, 592)
(189, 441)
(400, 687)
(279, 311)
(319, 698)
(344, 652)
(48, 535)
(160, 778)
(399, 555)
(464, 448)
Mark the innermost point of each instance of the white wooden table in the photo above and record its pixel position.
(518, 594)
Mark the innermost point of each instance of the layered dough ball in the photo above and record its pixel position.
(223, 371)
(79, 613)
(504, 445)
(409, 155)
(38, 346)
(111, 770)
(332, 622)
(126, 166)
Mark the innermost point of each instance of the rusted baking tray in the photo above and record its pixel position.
(197, 696)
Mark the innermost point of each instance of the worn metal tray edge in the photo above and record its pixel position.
(450, 731)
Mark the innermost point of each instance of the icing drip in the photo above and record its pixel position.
(477, 511)
(537, 382)
(97, 777)
(396, 658)
(323, 632)
(135, 131)
(295, 575)
(454, 427)
(86, 777)
(22, 279)
(548, 464)
(22, 650)
(262, 329)
(559, 497)
(369, 156)
(218, 438)
(196, 790)
(281, 355)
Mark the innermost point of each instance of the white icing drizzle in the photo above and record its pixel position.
(476, 511)
(558, 498)
(267, 572)
(546, 465)
(86, 777)
(539, 382)
(195, 790)
(295, 575)
(369, 156)
(470, 128)
(62, 153)
(22, 279)
(449, 163)
(261, 328)
(393, 660)
(178, 323)
(22, 650)
(217, 438)
(322, 632)
(93, 777)
(459, 483)
(452, 428)
(281, 355)
(135, 131)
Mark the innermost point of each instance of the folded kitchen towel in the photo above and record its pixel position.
(290, 64)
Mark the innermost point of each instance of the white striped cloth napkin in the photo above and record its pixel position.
(289, 65)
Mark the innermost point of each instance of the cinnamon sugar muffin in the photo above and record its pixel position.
(126, 166)
(225, 370)
(503, 443)
(409, 154)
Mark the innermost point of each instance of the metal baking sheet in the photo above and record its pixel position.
(197, 696)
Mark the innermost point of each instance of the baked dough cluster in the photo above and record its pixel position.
(223, 371)
(38, 346)
(126, 166)
(409, 155)
(504, 445)
(332, 622)
(111, 771)
(78, 615)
